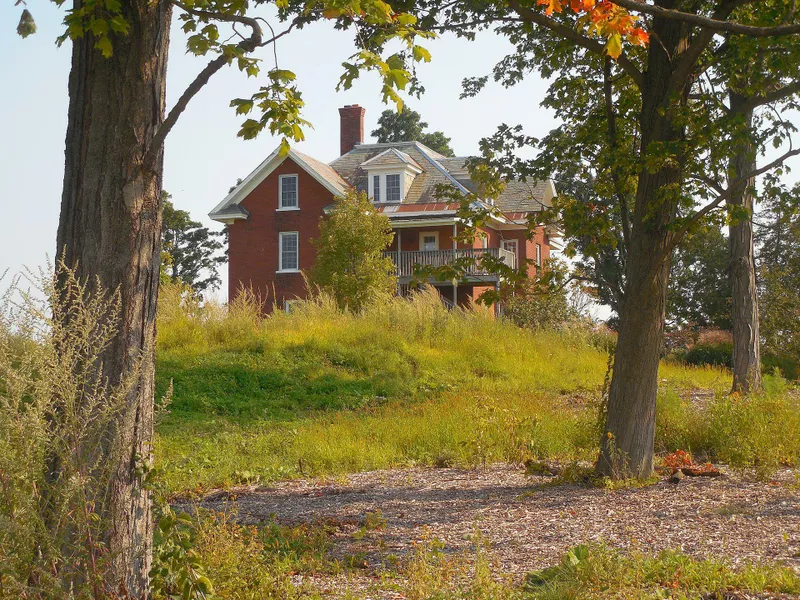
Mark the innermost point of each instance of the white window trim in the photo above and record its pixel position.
(287, 306)
(280, 252)
(383, 188)
(401, 180)
(514, 243)
(422, 235)
(282, 208)
(538, 255)
(372, 187)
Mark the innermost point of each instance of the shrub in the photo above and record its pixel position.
(538, 311)
(350, 264)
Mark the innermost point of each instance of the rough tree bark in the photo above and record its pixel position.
(627, 444)
(110, 227)
(742, 268)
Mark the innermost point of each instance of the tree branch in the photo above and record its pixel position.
(689, 58)
(580, 40)
(770, 97)
(727, 193)
(247, 45)
(712, 23)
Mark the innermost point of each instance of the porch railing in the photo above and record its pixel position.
(405, 261)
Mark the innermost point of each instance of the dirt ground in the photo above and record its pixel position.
(529, 523)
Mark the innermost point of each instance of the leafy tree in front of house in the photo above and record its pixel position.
(191, 252)
(407, 126)
(350, 263)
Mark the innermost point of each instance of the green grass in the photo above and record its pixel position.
(598, 572)
(274, 561)
(319, 392)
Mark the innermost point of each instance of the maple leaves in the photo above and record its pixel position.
(605, 19)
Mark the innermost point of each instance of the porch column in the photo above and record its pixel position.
(397, 233)
(455, 281)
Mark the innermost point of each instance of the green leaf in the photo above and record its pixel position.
(284, 148)
(99, 27)
(104, 45)
(421, 54)
(27, 25)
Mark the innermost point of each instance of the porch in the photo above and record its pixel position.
(475, 271)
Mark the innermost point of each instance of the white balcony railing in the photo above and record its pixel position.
(405, 261)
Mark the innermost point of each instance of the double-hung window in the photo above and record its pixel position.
(376, 188)
(538, 255)
(393, 187)
(287, 192)
(288, 252)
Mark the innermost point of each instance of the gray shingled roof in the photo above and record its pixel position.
(325, 171)
(519, 196)
(347, 171)
(421, 190)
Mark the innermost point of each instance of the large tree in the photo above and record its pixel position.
(407, 125)
(111, 211)
(658, 146)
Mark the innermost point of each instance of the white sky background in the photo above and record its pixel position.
(203, 156)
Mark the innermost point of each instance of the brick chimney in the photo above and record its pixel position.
(351, 127)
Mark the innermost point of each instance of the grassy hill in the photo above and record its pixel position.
(319, 392)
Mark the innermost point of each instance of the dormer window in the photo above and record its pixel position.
(390, 175)
(393, 190)
(376, 188)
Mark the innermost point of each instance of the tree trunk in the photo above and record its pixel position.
(110, 228)
(742, 267)
(627, 443)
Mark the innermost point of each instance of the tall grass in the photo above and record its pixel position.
(407, 382)
(55, 452)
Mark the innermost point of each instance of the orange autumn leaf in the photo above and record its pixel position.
(551, 6)
(639, 37)
(582, 5)
(608, 20)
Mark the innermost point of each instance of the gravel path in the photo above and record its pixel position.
(529, 523)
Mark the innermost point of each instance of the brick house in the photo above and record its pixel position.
(273, 215)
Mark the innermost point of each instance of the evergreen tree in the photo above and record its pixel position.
(408, 126)
(189, 250)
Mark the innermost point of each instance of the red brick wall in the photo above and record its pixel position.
(253, 259)
(410, 237)
(351, 127)
(527, 248)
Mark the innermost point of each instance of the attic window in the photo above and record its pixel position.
(393, 187)
(288, 192)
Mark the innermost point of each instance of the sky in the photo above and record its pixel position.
(203, 155)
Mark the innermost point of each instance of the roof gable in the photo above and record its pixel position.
(389, 158)
(229, 209)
